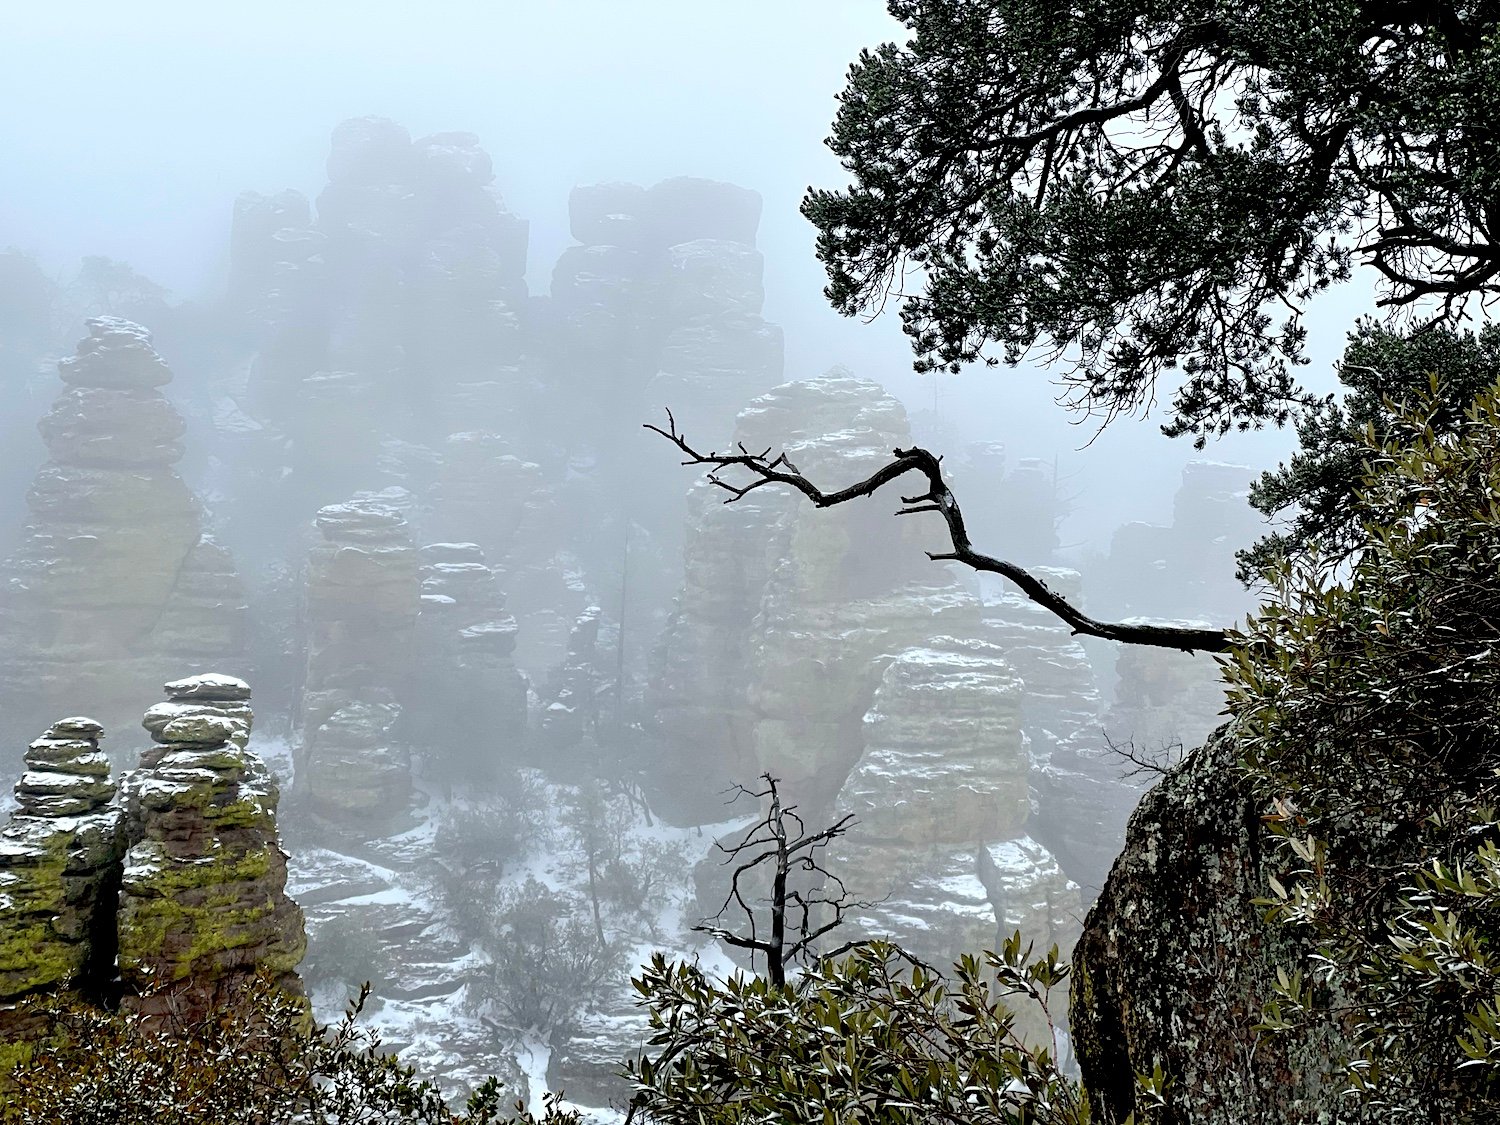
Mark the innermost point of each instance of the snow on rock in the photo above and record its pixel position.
(59, 861)
(203, 903)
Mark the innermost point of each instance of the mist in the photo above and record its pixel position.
(368, 443)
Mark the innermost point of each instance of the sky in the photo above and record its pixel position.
(128, 129)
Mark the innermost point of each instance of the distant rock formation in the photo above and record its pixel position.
(59, 872)
(116, 584)
(571, 696)
(659, 307)
(203, 904)
(407, 324)
(1186, 570)
(363, 594)
(466, 678)
(940, 797)
(788, 614)
(665, 289)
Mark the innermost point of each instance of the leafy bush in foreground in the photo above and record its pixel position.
(257, 1062)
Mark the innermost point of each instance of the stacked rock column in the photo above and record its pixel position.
(941, 802)
(363, 592)
(466, 675)
(59, 872)
(203, 904)
(114, 583)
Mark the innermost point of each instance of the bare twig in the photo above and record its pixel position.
(764, 470)
(798, 918)
(1143, 763)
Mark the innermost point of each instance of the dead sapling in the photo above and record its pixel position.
(806, 901)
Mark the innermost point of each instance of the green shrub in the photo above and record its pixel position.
(256, 1061)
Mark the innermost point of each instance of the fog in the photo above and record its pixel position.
(504, 650)
(132, 129)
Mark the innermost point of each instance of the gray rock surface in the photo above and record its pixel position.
(116, 584)
(363, 595)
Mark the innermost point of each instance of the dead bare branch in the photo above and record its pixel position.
(940, 499)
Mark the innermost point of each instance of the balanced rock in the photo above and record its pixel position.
(467, 680)
(116, 582)
(59, 870)
(203, 905)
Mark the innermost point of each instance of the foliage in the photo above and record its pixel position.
(344, 951)
(626, 876)
(1382, 371)
(476, 843)
(112, 288)
(873, 1036)
(27, 299)
(1149, 187)
(546, 964)
(1365, 699)
(257, 1061)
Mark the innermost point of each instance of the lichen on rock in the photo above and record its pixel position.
(203, 905)
(59, 870)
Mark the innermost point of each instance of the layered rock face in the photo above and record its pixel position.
(940, 797)
(59, 871)
(1175, 964)
(363, 594)
(788, 614)
(466, 674)
(203, 904)
(115, 584)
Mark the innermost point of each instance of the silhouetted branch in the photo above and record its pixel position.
(798, 918)
(1143, 764)
(938, 498)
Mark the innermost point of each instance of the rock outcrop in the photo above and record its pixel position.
(1175, 963)
(116, 584)
(363, 594)
(789, 614)
(940, 796)
(203, 905)
(59, 872)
